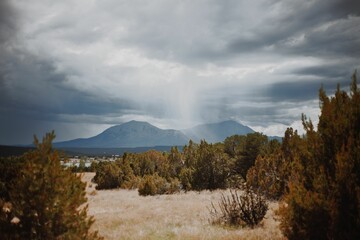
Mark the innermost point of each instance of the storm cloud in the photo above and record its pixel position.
(81, 66)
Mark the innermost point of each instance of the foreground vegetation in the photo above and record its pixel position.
(39, 199)
(315, 177)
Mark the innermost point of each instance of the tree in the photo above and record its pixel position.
(270, 174)
(212, 167)
(233, 145)
(175, 161)
(108, 176)
(324, 186)
(255, 144)
(46, 200)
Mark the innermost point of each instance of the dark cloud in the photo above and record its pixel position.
(34, 96)
(8, 23)
(69, 64)
(312, 29)
(338, 39)
(327, 71)
(301, 91)
(343, 8)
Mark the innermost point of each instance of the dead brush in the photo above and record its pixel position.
(239, 209)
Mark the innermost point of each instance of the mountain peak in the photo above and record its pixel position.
(143, 134)
(228, 122)
(131, 126)
(217, 132)
(130, 134)
(135, 122)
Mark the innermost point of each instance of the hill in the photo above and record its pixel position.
(131, 134)
(135, 134)
(216, 132)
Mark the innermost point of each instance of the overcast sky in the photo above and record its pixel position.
(80, 66)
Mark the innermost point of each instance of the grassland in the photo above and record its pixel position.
(123, 214)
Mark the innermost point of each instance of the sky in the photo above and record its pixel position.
(81, 66)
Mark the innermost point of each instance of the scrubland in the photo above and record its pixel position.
(123, 214)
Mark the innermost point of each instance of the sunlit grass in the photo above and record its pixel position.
(123, 214)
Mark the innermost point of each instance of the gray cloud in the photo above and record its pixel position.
(7, 24)
(314, 28)
(71, 64)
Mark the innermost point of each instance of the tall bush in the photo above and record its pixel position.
(324, 186)
(45, 200)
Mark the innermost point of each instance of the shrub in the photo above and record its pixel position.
(107, 176)
(255, 144)
(154, 184)
(246, 208)
(186, 178)
(45, 200)
(10, 170)
(117, 174)
(323, 201)
(212, 167)
(269, 175)
(173, 186)
(148, 186)
(132, 183)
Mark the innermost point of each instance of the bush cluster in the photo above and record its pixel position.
(154, 184)
(111, 175)
(197, 167)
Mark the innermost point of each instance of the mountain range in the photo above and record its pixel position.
(216, 132)
(142, 134)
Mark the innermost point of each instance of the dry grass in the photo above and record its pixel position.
(123, 214)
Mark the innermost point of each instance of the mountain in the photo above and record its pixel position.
(136, 134)
(216, 132)
(130, 134)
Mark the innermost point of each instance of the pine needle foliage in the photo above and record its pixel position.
(45, 201)
(323, 201)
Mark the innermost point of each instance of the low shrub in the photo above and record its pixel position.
(173, 186)
(154, 184)
(148, 186)
(133, 183)
(107, 176)
(239, 208)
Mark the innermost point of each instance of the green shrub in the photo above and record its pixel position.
(45, 200)
(186, 178)
(107, 176)
(154, 184)
(132, 183)
(148, 186)
(10, 169)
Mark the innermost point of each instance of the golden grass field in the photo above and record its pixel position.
(123, 214)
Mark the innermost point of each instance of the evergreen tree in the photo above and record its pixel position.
(45, 200)
(212, 167)
(255, 144)
(324, 187)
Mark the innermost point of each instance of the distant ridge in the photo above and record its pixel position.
(131, 134)
(136, 134)
(216, 132)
